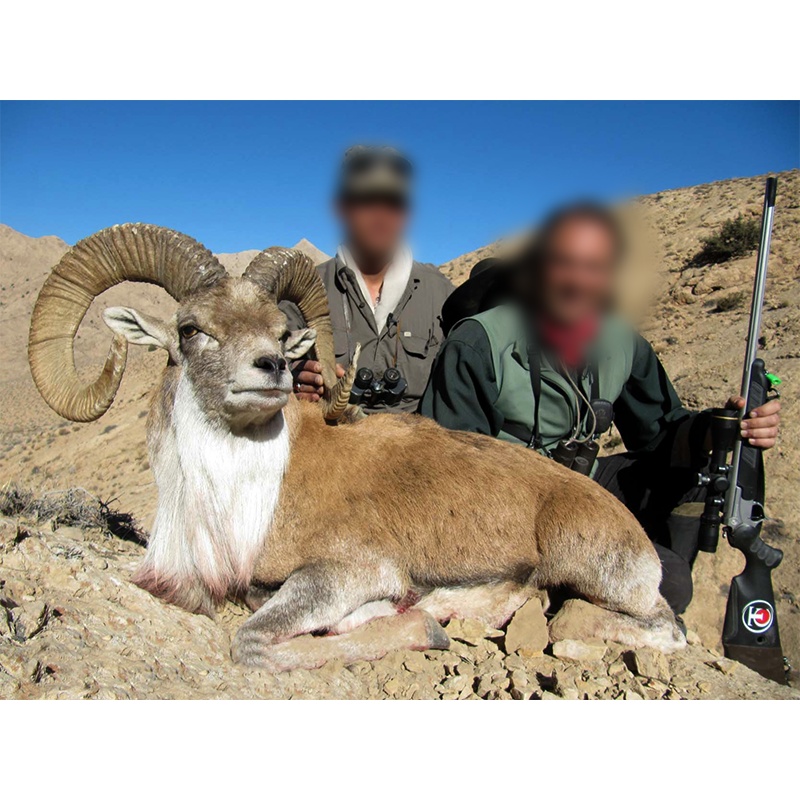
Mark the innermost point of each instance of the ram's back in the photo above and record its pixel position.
(445, 507)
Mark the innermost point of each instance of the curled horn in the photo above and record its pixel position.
(130, 252)
(290, 275)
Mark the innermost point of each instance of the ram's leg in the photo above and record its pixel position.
(312, 599)
(317, 598)
(414, 630)
(492, 603)
(624, 585)
(255, 596)
(375, 609)
(578, 619)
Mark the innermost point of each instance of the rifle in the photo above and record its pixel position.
(735, 498)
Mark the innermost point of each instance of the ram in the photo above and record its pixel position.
(323, 526)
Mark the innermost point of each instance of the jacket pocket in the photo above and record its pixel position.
(415, 346)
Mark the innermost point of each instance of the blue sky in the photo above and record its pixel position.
(249, 175)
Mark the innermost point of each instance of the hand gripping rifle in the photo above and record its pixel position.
(735, 498)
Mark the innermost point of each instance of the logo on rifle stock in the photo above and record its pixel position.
(758, 616)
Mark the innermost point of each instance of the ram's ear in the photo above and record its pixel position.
(298, 343)
(139, 328)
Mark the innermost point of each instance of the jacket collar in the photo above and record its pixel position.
(526, 333)
(403, 283)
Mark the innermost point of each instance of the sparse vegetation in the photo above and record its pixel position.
(75, 507)
(731, 301)
(737, 237)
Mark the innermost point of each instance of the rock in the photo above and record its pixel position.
(692, 637)
(501, 682)
(513, 661)
(416, 662)
(564, 681)
(550, 696)
(8, 685)
(464, 651)
(684, 297)
(578, 619)
(447, 658)
(491, 668)
(527, 632)
(392, 687)
(630, 695)
(484, 686)
(465, 669)
(722, 276)
(576, 651)
(650, 663)
(485, 649)
(17, 663)
(8, 532)
(18, 589)
(617, 668)
(725, 665)
(471, 631)
(456, 684)
(521, 686)
(28, 619)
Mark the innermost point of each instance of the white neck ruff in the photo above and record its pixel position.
(218, 493)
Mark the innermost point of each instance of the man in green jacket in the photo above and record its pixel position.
(378, 295)
(551, 309)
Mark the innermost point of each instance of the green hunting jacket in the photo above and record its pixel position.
(481, 382)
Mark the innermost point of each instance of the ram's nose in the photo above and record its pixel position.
(269, 364)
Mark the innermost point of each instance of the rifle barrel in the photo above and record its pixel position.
(756, 307)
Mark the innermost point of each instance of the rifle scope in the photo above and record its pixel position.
(724, 432)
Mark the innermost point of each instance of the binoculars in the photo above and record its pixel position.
(369, 390)
(579, 457)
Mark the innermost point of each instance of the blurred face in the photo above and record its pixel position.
(578, 271)
(374, 228)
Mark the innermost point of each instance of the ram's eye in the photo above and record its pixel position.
(187, 331)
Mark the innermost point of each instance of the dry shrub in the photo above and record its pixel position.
(736, 237)
(74, 507)
(731, 301)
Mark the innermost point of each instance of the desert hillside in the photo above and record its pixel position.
(696, 320)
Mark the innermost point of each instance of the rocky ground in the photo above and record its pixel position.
(72, 625)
